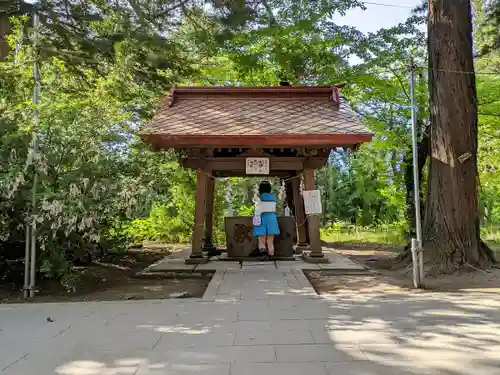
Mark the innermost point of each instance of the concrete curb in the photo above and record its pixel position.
(213, 286)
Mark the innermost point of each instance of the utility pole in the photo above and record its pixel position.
(416, 243)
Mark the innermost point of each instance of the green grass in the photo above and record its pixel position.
(351, 234)
(491, 234)
(388, 234)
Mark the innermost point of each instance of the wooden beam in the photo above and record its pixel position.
(238, 163)
(315, 162)
(209, 216)
(164, 141)
(281, 174)
(300, 217)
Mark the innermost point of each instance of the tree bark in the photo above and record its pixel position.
(14, 8)
(4, 32)
(451, 225)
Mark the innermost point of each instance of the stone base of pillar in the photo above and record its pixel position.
(314, 258)
(196, 259)
(301, 248)
(211, 250)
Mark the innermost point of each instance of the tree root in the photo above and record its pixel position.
(404, 259)
(467, 265)
(439, 266)
(487, 253)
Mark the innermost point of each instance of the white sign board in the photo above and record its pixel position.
(312, 202)
(257, 166)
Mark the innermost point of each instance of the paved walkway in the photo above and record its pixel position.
(257, 320)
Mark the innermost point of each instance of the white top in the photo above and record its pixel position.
(261, 207)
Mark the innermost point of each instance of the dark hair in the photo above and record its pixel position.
(264, 187)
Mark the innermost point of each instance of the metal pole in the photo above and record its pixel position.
(416, 245)
(33, 245)
(27, 260)
(414, 259)
(36, 91)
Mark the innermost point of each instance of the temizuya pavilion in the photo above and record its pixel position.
(219, 131)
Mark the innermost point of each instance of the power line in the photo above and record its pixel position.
(388, 5)
(463, 72)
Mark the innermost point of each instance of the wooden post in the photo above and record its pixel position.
(208, 246)
(313, 222)
(199, 219)
(300, 217)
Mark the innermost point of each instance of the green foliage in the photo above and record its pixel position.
(489, 146)
(361, 189)
(487, 20)
(171, 217)
(94, 33)
(92, 174)
(491, 234)
(393, 234)
(342, 232)
(487, 17)
(160, 226)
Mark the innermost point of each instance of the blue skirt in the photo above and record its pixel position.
(268, 226)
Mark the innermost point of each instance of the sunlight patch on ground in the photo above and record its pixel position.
(176, 329)
(96, 368)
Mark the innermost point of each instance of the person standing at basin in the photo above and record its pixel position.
(266, 221)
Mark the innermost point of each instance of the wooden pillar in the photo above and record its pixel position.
(208, 246)
(300, 217)
(313, 221)
(199, 218)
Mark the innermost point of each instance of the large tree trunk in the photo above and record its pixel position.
(451, 225)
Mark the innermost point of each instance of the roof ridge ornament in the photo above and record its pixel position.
(167, 100)
(171, 96)
(336, 95)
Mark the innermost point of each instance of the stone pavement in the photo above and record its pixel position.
(176, 262)
(257, 320)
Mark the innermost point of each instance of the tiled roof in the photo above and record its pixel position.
(252, 111)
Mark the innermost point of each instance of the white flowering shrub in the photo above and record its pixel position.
(92, 174)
